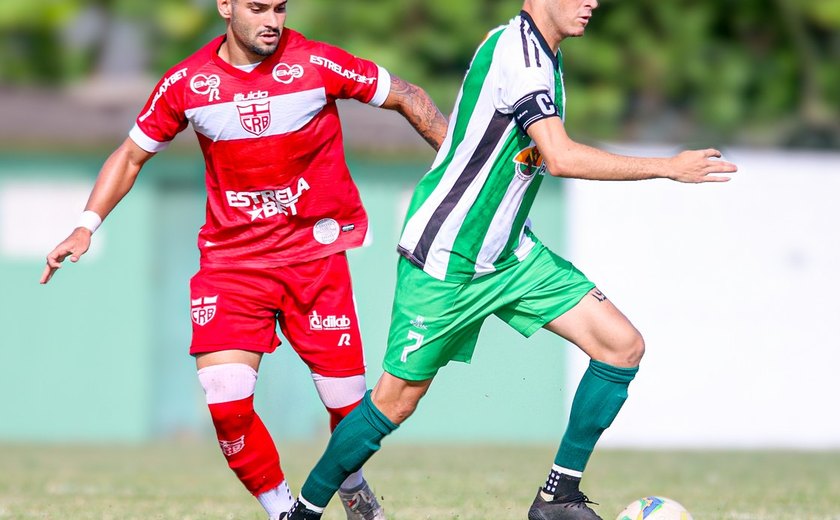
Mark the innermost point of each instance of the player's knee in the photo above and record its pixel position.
(339, 394)
(624, 350)
(229, 390)
(630, 349)
(397, 398)
(635, 349)
(397, 410)
(403, 410)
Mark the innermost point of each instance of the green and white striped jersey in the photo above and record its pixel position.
(468, 216)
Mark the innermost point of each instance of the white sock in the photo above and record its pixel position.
(353, 482)
(277, 500)
(227, 382)
(338, 392)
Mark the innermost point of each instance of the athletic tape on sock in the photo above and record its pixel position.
(227, 382)
(338, 392)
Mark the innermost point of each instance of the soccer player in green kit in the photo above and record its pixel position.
(467, 251)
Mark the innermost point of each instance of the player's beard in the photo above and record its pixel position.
(263, 49)
(252, 43)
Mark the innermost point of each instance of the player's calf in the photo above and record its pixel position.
(243, 438)
(340, 396)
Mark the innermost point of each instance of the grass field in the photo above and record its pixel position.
(184, 480)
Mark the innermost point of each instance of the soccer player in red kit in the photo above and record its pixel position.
(282, 210)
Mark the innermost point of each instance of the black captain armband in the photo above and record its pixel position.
(534, 107)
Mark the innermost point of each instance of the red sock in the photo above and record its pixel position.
(247, 445)
(337, 414)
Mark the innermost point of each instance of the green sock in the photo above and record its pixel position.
(600, 395)
(356, 438)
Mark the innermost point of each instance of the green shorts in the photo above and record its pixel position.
(434, 322)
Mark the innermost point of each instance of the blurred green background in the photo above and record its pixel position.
(101, 352)
(99, 356)
(757, 72)
(102, 349)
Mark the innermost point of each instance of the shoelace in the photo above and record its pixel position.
(574, 500)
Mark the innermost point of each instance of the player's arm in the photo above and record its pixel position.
(418, 108)
(566, 158)
(115, 179)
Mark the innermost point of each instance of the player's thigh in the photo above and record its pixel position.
(223, 357)
(232, 310)
(601, 330)
(319, 317)
(432, 323)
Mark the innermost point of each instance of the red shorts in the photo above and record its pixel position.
(239, 309)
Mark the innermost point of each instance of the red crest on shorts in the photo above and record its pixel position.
(203, 309)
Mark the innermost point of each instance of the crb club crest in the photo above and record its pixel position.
(203, 309)
(232, 447)
(255, 117)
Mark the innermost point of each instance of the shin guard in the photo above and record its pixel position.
(600, 395)
(353, 442)
(242, 436)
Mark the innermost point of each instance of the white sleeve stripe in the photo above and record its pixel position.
(383, 88)
(145, 142)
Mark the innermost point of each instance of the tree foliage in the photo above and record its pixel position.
(751, 71)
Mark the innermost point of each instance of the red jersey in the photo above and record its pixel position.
(278, 188)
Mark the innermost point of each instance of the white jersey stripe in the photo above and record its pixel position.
(417, 223)
(438, 257)
(466, 215)
(526, 244)
(501, 225)
(440, 221)
(289, 112)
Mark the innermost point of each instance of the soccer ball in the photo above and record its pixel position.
(654, 508)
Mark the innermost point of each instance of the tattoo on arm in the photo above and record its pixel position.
(418, 108)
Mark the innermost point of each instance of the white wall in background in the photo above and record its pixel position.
(736, 288)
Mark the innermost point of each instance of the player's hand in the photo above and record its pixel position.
(73, 246)
(695, 166)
